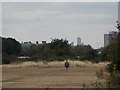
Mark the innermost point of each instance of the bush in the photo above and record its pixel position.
(7, 59)
(111, 68)
(100, 74)
(113, 80)
(96, 60)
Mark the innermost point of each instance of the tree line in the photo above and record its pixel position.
(57, 50)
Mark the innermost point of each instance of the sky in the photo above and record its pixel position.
(0, 19)
(38, 21)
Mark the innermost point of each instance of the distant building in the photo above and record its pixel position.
(108, 37)
(106, 40)
(27, 44)
(82, 43)
(78, 41)
(43, 42)
(72, 43)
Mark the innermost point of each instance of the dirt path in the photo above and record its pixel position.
(35, 77)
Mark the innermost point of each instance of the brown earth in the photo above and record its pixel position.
(36, 77)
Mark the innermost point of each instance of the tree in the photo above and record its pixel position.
(113, 50)
(7, 59)
(10, 50)
(85, 52)
(118, 47)
(58, 49)
(11, 46)
(61, 47)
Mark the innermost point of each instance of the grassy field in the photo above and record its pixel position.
(52, 75)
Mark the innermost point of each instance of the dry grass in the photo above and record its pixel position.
(56, 64)
(52, 74)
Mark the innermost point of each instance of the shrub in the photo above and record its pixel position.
(100, 74)
(96, 84)
(7, 59)
(113, 80)
(96, 60)
(111, 68)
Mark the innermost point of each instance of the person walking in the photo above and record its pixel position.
(66, 65)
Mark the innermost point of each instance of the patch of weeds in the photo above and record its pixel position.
(100, 74)
(97, 84)
(77, 65)
(113, 80)
(83, 85)
(101, 77)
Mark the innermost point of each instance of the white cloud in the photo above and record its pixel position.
(41, 21)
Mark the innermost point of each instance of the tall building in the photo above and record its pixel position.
(106, 40)
(108, 37)
(78, 41)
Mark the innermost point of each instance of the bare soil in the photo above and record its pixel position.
(36, 77)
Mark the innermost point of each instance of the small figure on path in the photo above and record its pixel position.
(66, 65)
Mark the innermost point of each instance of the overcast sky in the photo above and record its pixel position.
(43, 21)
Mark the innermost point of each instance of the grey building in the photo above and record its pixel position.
(108, 37)
(106, 40)
(78, 41)
(44, 42)
(26, 44)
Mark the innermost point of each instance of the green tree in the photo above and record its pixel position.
(118, 47)
(113, 51)
(7, 59)
(61, 47)
(11, 46)
(10, 50)
(58, 49)
(85, 52)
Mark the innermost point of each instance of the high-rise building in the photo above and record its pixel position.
(108, 37)
(106, 40)
(78, 41)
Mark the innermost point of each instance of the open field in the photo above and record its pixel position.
(52, 75)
